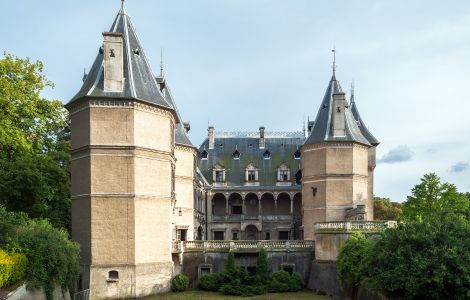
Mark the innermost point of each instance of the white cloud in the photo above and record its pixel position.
(399, 154)
(460, 167)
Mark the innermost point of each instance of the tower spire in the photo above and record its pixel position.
(122, 11)
(334, 61)
(352, 91)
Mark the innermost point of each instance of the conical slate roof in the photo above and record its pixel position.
(323, 127)
(181, 136)
(139, 81)
(362, 126)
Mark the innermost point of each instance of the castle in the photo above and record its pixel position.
(139, 184)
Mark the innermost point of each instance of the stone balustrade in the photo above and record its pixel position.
(351, 226)
(243, 246)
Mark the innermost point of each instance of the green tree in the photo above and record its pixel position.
(420, 260)
(52, 259)
(34, 144)
(262, 271)
(432, 200)
(350, 262)
(384, 209)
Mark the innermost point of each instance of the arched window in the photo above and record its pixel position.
(266, 154)
(236, 154)
(297, 154)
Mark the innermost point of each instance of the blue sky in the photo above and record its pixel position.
(240, 64)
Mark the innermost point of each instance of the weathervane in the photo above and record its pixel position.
(161, 62)
(334, 60)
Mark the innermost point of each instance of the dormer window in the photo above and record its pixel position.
(283, 173)
(204, 154)
(218, 173)
(251, 173)
(236, 154)
(267, 154)
(297, 154)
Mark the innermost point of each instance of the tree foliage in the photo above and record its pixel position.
(350, 262)
(34, 144)
(426, 257)
(432, 200)
(52, 258)
(421, 260)
(384, 209)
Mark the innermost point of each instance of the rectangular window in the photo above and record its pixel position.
(251, 175)
(219, 175)
(283, 235)
(283, 175)
(181, 234)
(234, 236)
(218, 235)
(205, 271)
(288, 269)
(237, 210)
(268, 236)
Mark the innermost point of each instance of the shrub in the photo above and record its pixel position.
(12, 267)
(280, 282)
(296, 282)
(262, 272)
(210, 282)
(179, 283)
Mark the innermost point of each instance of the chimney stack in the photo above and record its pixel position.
(211, 135)
(113, 61)
(339, 116)
(262, 142)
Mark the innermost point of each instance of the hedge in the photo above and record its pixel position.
(12, 268)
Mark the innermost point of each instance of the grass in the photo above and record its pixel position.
(197, 294)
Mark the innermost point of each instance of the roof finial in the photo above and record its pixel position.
(334, 60)
(352, 89)
(161, 62)
(123, 11)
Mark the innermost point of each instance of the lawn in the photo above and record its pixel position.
(196, 295)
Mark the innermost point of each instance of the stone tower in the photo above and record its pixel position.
(123, 164)
(338, 160)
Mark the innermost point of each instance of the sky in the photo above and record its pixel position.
(242, 64)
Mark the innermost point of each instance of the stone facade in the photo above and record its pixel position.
(139, 186)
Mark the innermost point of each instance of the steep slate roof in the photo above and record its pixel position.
(323, 127)
(139, 82)
(181, 136)
(365, 132)
(281, 147)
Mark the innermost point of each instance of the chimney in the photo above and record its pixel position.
(211, 135)
(113, 61)
(262, 142)
(339, 116)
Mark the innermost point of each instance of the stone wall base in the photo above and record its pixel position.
(323, 279)
(134, 281)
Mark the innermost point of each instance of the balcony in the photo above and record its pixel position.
(239, 218)
(366, 226)
(243, 246)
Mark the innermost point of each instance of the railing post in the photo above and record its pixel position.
(347, 226)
